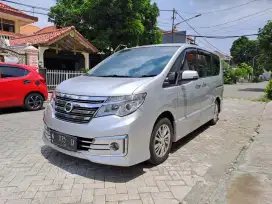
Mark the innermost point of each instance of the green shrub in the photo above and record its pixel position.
(268, 90)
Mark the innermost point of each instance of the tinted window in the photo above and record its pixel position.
(215, 65)
(138, 62)
(7, 72)
(204, 64)
(190, 61)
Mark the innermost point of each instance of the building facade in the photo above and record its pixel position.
(11, 20)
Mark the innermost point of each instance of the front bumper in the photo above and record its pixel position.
(131, 133)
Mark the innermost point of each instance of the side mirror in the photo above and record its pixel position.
(190, 75)
(172, 78)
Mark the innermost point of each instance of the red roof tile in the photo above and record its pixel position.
(49, 37)
(46, 29)
(13, 11)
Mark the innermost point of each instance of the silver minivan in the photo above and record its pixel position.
(132, 106)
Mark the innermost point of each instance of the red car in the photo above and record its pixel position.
(21, 85)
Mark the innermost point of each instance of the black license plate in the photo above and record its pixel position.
(65, 141)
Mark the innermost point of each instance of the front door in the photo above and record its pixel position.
(190, 97)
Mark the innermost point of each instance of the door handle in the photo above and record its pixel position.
(197, 86)
(203, 85)
(26, 82)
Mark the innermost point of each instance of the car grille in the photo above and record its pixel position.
(81, 110)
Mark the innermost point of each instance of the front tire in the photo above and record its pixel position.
(34, 101)
(161, 141)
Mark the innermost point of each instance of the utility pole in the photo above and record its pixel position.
(173, 24)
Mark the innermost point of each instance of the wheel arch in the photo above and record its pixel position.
(38, 92)
(217, 99)
(169, 116)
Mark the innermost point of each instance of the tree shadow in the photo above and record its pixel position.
(252, 89)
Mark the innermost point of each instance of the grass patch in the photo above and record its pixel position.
(263, 99)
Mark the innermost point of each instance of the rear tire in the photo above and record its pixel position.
(34, 101)
(215, 113)
(161, 141)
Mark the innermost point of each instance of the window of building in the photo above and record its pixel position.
(7, 25)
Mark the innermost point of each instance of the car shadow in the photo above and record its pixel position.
(185, 140)
(100, 172)
(6, 111)
(87, 169)
(252, 89)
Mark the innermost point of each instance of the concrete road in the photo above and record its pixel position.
(33, 173)
(245, 91)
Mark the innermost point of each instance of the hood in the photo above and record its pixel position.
(101, 86)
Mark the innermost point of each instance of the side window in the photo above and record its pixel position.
(190, 61)
(12, 72)
(177, 65)
(204, 64)
(215, 65)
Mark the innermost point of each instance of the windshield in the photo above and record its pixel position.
(138, 62)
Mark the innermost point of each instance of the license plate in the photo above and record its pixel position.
(65, 141)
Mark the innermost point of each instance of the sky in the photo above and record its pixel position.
(189, 8)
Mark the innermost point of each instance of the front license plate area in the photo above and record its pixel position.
(65, 141)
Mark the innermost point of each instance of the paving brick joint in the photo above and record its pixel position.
(33, 173)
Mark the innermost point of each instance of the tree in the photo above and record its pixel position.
(245, 70)
(109, 23)
(244, 50)
(265, 39)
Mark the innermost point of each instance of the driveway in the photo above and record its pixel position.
(33, 173)
(245, 91)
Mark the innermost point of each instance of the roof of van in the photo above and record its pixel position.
(184, 45)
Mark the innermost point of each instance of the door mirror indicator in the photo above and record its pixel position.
(190, 75)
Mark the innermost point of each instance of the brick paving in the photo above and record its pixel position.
(31, 172)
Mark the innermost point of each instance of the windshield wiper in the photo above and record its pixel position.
(150, 75)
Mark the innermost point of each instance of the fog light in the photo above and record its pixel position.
(114, 146)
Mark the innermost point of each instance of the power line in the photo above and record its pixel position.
(224, 37)
(224, 28)
(220, 10)
(27, 5)
(237, 19)
(34, 12)
(199, 34)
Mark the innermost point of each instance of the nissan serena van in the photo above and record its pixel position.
(132, 106)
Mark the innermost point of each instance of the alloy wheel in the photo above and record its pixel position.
(162, 140)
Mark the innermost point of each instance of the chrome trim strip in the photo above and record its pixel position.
(69, 116)
(85, 141)
(80, 105)
(81, 97)
(78, 111)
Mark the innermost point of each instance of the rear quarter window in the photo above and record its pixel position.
(12, 72)
(215, 65)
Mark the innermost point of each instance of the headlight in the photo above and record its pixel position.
(121, 105)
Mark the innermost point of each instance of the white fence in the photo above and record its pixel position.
(55, 77)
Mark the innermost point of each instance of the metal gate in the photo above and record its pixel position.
(55, 77)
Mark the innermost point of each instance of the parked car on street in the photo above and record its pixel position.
(132, 106)
(21, 85)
